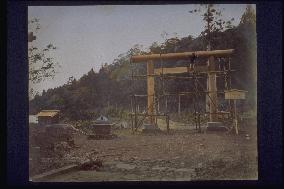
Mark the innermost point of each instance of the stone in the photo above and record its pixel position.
(125, 166)
(184, 170)
(199, 165)
(149, 128)
(133, 158)
(157, 168)
(216, 126)
(143, 168)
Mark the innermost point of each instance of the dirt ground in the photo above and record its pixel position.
(181, 155)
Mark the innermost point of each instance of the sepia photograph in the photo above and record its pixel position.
(142, 93)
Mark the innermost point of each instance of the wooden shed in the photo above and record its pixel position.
(46, 117)
(235, 94)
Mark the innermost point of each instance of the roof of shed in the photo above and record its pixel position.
(238, 90)
(48, 113)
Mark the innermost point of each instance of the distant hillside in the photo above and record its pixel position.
(111, 87)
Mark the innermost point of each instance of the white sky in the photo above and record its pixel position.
(87, 36)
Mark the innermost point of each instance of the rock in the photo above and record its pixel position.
(149, 128)
(92, 165)
(61, 146)
(184, 170)
(199, 165)
(124, 125)
(216, 126)
(133, 158)
(143, 168)
(169, 169)
(157, 168)
(247, 136)
(125, 166)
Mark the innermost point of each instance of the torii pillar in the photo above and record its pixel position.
(212, 89)
(150, 91)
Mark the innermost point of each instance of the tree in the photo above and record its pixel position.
(41, 65)
(247, 29)
(214, 23)
(249, 17)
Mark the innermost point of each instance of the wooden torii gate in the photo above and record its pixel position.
(210, 70)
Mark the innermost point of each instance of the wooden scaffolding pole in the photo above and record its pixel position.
(179, 104)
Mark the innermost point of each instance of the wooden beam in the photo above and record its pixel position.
(174, 70)
(177, 70)
(183, 55)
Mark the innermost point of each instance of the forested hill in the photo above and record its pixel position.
(111, 87)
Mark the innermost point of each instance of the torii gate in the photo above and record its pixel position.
(210, 70)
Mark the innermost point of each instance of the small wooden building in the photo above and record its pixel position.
(235, 94)
(46, 117)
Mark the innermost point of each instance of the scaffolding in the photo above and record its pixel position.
(193, 74)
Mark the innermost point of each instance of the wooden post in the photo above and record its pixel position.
(131, 104)
(178, 104)
(236, 119)
(212, 89)
(108, 103)
(168, 124)
(207, 99)
(199, 127)
(166, 104)
(158, 104)
(132, 129)
(150, 90)
(135, 116)
(229, 87)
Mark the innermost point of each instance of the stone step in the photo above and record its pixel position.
(58, 171)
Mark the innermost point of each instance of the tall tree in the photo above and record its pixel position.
(41, 65)
(247, 29)
(249, 17)
(214, 23)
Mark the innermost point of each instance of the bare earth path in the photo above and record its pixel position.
(183, 155)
